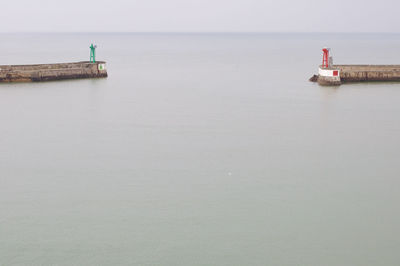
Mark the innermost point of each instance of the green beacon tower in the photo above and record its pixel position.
(93, 53)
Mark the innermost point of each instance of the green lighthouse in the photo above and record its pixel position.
(93, 53)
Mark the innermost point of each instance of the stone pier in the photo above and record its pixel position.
(48, 72)
(338, 74)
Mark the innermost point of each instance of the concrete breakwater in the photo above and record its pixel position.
(334, 75)
(48, 72)
(338, 74)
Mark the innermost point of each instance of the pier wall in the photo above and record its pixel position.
(48, 72)
(358, 73)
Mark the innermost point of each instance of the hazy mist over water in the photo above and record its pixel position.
(200, 149)
(200, 16)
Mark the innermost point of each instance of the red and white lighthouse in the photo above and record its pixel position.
(325, 58)
(328, 74)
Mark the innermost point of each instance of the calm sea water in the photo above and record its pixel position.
(208, 149)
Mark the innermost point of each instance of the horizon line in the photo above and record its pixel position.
(198, 32)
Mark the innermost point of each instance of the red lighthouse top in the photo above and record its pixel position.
(325, 58)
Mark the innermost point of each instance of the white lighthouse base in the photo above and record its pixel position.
(329, 76)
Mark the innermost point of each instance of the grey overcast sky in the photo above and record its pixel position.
(200, 16)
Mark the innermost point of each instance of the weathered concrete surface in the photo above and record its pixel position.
(357, 73)
(47, 72)
(360, 73)
(328, 81)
